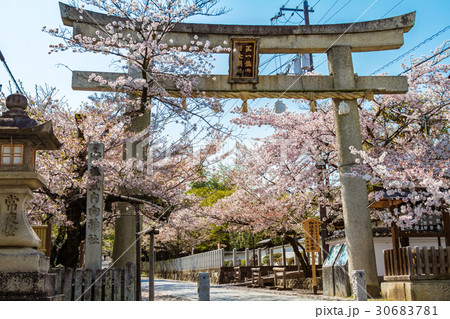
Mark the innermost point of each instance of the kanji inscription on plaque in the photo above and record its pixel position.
(244, 60)
(311, 227)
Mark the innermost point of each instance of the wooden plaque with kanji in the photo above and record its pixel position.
(244, 60)
(311, 227)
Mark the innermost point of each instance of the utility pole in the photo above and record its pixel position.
(306, 10)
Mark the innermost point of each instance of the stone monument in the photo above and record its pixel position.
(23, 268)
(94, 210)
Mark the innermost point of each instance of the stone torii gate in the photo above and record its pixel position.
(338, 41)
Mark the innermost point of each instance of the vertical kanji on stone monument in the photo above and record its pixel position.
(94, 209)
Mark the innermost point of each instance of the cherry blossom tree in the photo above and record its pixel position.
(277, 180)
(63, 200)
(407, 152)
(137, 38)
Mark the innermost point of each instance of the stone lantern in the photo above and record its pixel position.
(20, 260)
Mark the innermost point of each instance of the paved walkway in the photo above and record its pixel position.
(182, 290)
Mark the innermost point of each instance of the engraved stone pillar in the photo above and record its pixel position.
(94, 209)
(358, 228)
(259, 257)
(272, 261)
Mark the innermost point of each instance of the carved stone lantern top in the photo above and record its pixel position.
(16, 123)
(20, 138)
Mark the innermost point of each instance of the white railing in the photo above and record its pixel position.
(210, 259)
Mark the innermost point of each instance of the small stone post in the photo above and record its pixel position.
(272, 262)
(94, 209)
(235, 258)
(222, 257)
(359, 285)
(247, 257)
(203, 286)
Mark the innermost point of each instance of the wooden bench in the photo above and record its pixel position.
(279, 273)
(237, 274)
(257, 280)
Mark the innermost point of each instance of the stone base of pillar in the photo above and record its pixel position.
(416, 290)
(17, 260)
(28, 286)
(373, 291)
(24, 275)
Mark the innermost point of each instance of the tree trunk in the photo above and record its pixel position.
(301, 257)
(69, 237)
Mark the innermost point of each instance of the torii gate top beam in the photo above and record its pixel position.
(384, 34)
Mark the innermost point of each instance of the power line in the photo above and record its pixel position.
(281, 66)
(328, 11)
(392, 8)
(306, 9)
(2, 58)
(411, 50)
(338, 10)
(315, 4)
(429, 58)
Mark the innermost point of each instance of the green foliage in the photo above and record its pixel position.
(216, 235)
(244, 239)
(108, 240)
(266, 258)
(211, 190)
(290, 261)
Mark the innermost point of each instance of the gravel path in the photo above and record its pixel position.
(171, 290)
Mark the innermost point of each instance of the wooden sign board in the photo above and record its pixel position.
(244, 60)
(311, 227)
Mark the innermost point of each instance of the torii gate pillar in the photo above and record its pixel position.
(358, 229)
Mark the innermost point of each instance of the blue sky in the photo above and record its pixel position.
(25, 46)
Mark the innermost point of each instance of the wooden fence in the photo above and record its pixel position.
(417, 263)
(210, 259)
(114, 284)
(44, 233)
